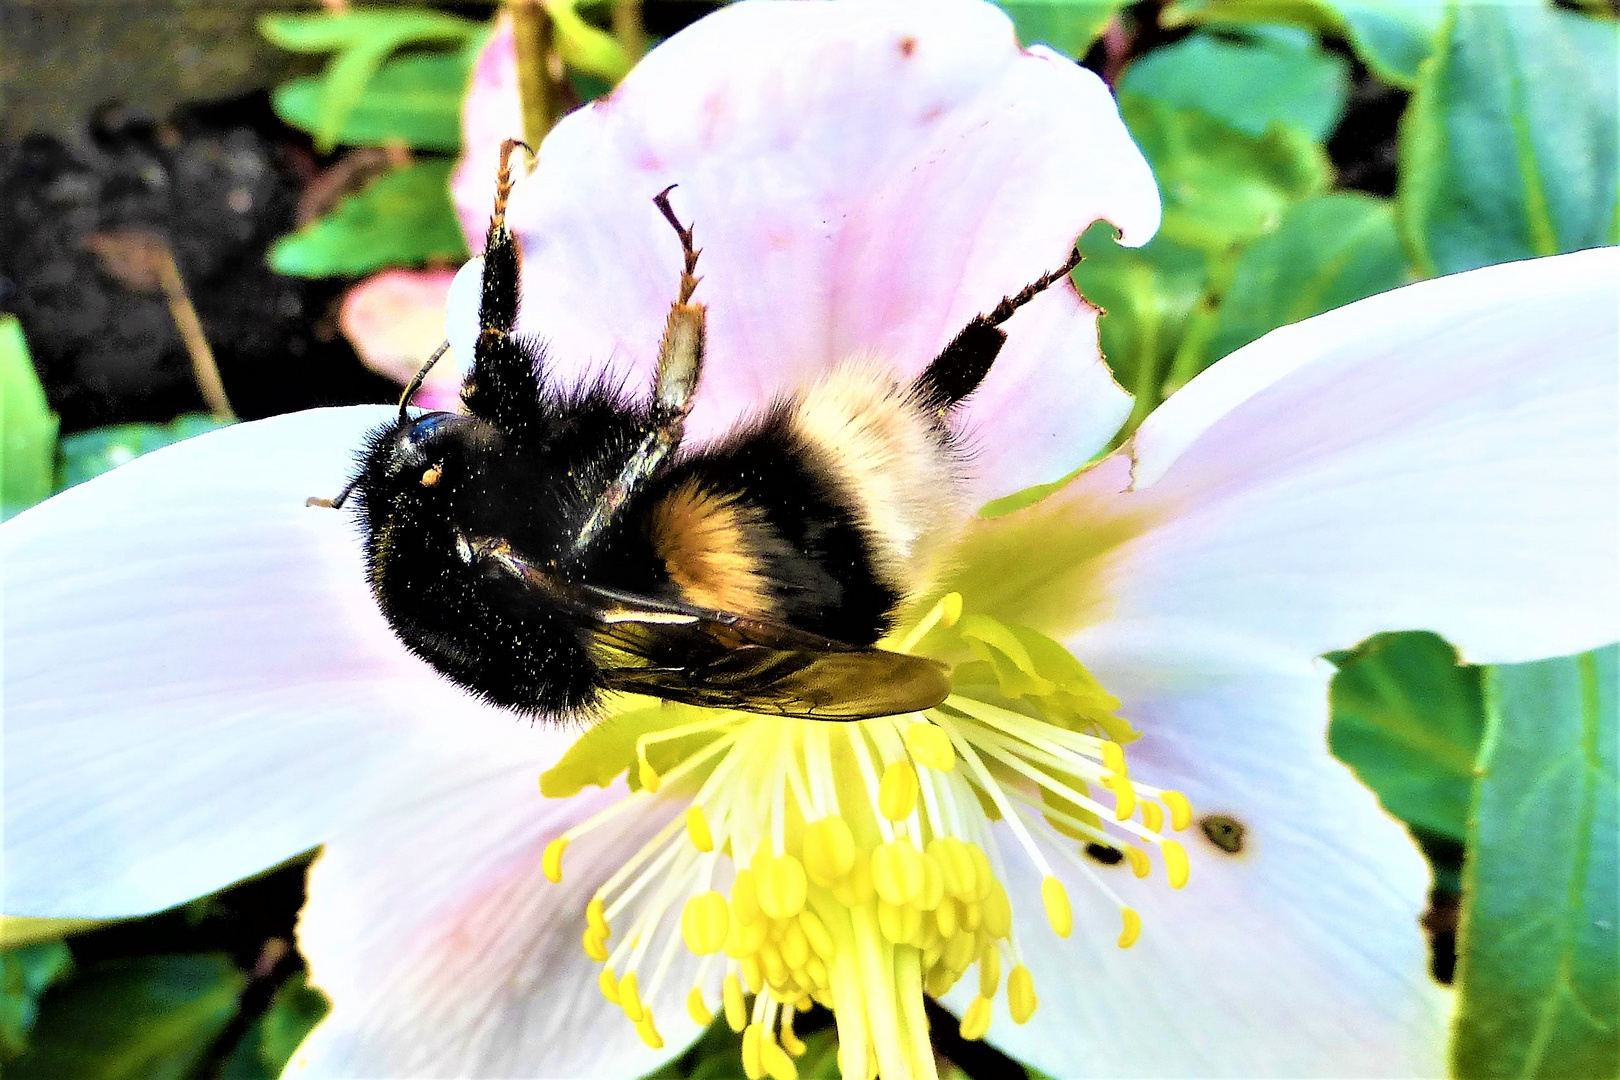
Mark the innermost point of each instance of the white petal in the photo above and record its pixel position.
(862, 178)
(1442, 457)
(197, 682)
(1301, 956)
(447, 952)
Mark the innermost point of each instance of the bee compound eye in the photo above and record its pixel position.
(433, 427)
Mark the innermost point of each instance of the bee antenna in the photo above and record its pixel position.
(416, 382)
(334, 503)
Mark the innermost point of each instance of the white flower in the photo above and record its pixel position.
(199, 686)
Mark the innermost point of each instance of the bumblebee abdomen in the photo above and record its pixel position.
(817, 514)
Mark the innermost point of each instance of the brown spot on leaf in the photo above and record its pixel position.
(1225, 832)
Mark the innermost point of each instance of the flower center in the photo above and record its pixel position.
(855, 865)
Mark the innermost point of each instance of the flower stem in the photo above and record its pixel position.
(534, 35)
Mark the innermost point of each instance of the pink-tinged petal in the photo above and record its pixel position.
(198, 684)
(863, 177)
(395, 320)
(491, 113)
(447, 952)
(1300, 956)
(1444, 457)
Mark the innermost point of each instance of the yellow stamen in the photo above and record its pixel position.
(697, 828)
(930, 746)
(853, 865)
(1175, 863)
(1021, 1000)
(1180, 809)
(731, 997)
(1141, 866)
(697, 1008)
(829, 850)
(897, 793)
(630, 998)
(989, 972)
(976, 1019)
(704, 923)
(1058, 912)
(551, 859)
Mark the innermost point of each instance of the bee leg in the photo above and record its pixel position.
(680, 354)
(504, 386)
(680, 364)
(957, 371)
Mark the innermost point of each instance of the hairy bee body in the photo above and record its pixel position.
(546, 546)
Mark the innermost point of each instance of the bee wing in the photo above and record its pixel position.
(724, 660)
(730, 661)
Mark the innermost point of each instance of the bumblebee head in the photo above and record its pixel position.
(428, 490)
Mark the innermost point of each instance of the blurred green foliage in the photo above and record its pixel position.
(28, 427)
(404, 217)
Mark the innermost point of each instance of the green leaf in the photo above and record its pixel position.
(138, 1018)
(270, 1041)
(583, 47)
(359, 27)
(27, 425)
(1538, 978)
(362, 39)
(25, 973)
(416, 99)
(1392, 37)
(1222, 187)
(404, 218)
(1508, 149)
(1148, 296)
(1067, 26)
(1248, 84)
(1327, 252)
(1408, 718)
(91, 453)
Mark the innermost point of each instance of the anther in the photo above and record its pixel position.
(1132, 928)
(1153, 816)
(989, 971)
(697, 1008)
(608, 985)
(1124, 795)
(1058, 912)
(649, 1033)
(697, 828)
(897, 792)
(551, 860)
(930, 746)
(1175, 863)
(976, 1019)
(1021, 1000)
(1113, 757)
(829, 851)
(1181, 813)
(704, 922)
(731, 998)
(1141, 865)
(630, 998)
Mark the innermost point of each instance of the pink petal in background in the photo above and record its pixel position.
(395, 320)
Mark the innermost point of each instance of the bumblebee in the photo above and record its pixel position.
(549, 545)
